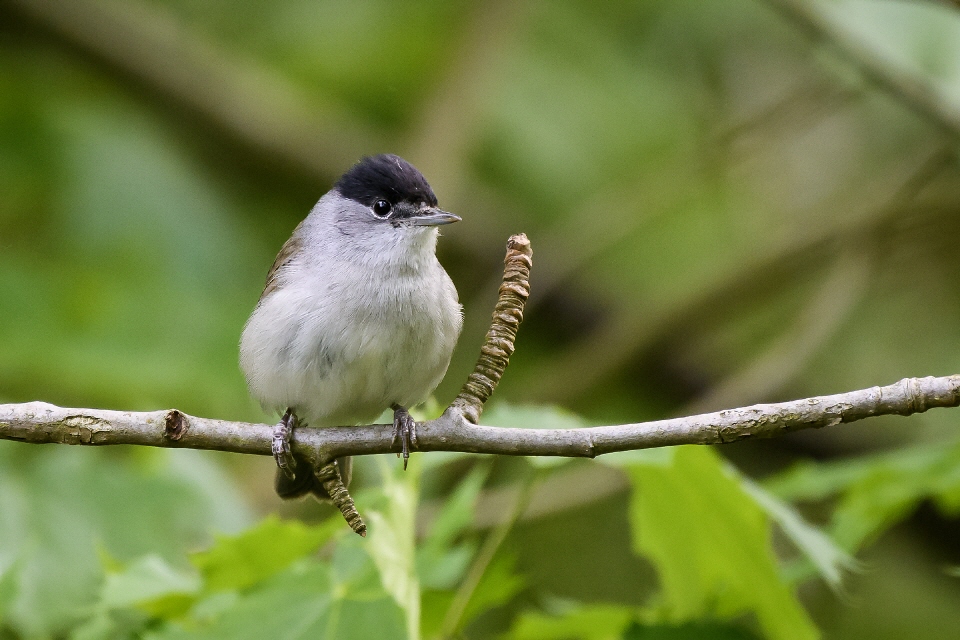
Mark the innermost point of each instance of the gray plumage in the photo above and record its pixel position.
(357, 314)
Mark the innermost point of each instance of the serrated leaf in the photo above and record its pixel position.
(823, 553)
(236, 562)
(302, 603)
(711, 545)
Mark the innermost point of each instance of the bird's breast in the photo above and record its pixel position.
(350, 342)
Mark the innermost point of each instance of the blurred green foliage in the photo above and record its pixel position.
(710, 543)
(711, 549)
(877, 490)
(723, 210)
(61, 512)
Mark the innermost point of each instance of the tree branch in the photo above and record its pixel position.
(456, 429)
(43, 423)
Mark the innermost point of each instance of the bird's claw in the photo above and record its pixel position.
(282, 434)
(405, 430)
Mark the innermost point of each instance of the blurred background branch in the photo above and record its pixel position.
(238, 96)
(916, 93)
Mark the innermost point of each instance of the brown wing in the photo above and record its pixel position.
(290, 248)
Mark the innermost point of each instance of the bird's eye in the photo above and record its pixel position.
(381, 208)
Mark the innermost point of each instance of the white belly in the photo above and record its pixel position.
(342, 351)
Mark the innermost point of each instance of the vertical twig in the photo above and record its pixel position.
(499, 344)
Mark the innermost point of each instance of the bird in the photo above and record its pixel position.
(357, 315)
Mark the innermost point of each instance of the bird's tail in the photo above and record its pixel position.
(305, 482)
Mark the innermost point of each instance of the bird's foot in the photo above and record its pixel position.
(404, 429)
(282, 433)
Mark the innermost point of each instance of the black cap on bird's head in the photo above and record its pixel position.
(394, 190)
(387, 177)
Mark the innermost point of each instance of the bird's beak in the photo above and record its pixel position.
(433, 218)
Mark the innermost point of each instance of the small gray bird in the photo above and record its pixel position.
(357, 315)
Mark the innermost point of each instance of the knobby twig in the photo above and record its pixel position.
(456, 429)
(329, 475)
(498, 345)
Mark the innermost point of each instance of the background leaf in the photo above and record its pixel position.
(59, 506)
(589, 623)
(876, 491)
(391, 539)
(258, 553)
(711, 545)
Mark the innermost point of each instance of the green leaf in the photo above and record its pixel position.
(688, 631)
(151, 585)
(594, 622)
(236, 562)
(820, 550)
(874, 504)
(305, 602)
(499, 584)
(60, 505)
(433, 609)
(111, 625)
(660, 456)
(457, 512)
(503, 414)
(711, 545)
(876, 491)
(443, 569)
(391, 536)
(440, 564)
(818, 480)
(99, 627)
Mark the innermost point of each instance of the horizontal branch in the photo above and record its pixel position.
(457, 428)
(40, 423)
